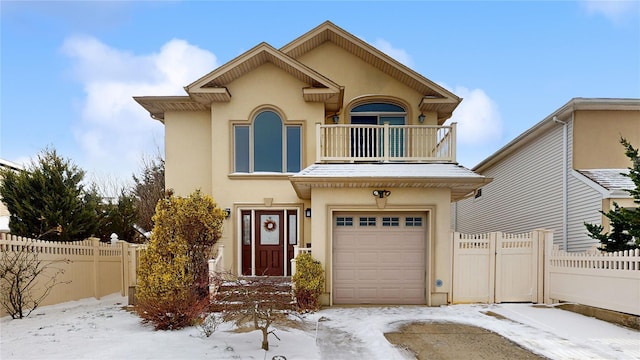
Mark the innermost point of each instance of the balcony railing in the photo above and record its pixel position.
(397, 143)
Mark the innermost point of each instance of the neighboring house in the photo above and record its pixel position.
(558, 174)
(4, 212)
(325, 143)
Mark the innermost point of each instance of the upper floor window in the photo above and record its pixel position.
(267, 145)
(378, 114)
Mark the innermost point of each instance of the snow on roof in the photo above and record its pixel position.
(4, 224)
(388, 170)
(610, 179)
(459, 179)
(10, 164)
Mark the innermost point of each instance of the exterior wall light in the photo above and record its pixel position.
(227, 213)
(307, 212)
(336, 118)
(421, 118)
(381, 193)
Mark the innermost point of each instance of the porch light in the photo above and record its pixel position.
(421, 118)
(336, 118)
(381, 193)
(227, 213)
(307, 212)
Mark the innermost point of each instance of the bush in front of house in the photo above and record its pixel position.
(308, 282)
(173, 274)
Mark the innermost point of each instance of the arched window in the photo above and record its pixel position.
(378, 113)
(367, 142)
(268, 145)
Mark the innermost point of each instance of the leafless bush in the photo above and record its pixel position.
(173, 312)
(262, 301)
(21, 270)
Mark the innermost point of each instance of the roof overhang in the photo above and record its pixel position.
(213, 86)
(157, 105)
(439, 100)
(461, 181)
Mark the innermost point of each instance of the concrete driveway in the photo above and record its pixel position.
(450, 341)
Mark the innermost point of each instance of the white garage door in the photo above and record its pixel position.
(379, 258)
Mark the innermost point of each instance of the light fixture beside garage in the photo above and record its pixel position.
(381, 197)
(381, 193)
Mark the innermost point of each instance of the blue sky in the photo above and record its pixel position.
(68, 70)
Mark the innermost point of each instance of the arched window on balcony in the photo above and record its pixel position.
(368, 142)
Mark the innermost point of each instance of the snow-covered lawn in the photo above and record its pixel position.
(102, 329)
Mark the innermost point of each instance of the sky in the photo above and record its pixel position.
(104, 329)
(69, 70)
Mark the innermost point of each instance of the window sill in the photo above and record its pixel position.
(261, 176)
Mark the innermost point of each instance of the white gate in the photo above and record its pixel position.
(497, 267)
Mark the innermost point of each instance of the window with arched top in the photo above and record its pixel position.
(368, 142)
(267, 145)
(378, 113)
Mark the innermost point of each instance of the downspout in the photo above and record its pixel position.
(565, 183)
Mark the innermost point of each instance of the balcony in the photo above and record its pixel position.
(385, 143)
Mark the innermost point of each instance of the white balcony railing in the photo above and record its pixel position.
(398, 143)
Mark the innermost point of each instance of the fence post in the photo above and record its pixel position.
(95, 243)
(537, 247)
(493, 243)
(124, 268)
(548, 247)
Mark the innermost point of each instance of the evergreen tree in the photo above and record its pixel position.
(118, 216)
(625, 222)
(48, 200)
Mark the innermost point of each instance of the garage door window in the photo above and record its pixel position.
(367, 221)
(391, 221)
(344, 221)
(413, 221)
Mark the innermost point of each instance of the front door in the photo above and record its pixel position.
(269, 230)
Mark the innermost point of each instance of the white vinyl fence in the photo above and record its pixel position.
(604, 280)
(498, 267)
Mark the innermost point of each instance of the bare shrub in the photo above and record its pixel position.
(21, 271)
(173, 312)
(262, 301)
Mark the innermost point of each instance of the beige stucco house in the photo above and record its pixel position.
(557, 175)
(328, 144)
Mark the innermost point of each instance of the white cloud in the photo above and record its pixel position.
(115, 132)
(477, 116)
(399, 54)
(614, 10)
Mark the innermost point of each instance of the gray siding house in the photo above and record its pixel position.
(557, 175)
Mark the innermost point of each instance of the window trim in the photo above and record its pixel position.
(379, 114)
(249, 123)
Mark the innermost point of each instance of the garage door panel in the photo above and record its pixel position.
(371, 258)
(367, 275)
(379, 265)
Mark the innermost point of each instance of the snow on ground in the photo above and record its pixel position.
(103, 329)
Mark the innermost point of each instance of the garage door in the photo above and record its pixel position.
(379, 258)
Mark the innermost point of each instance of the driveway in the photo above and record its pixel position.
(498, 331)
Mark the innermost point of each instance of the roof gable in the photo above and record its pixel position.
(435, 97)
(212, 87)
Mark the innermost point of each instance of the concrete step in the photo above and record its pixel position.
(269, 291)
